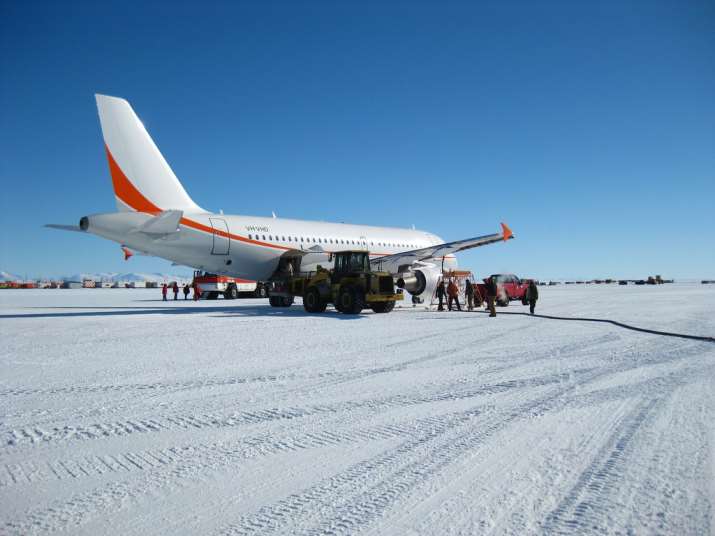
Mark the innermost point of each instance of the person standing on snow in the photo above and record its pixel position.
(532, 294)
(175, 288)
(186, 291)
(441, 293)
(453, 292)
(469, 293)
(491, 286)
(197, 291)
(164, 290)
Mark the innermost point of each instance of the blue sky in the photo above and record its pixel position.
(588, 127)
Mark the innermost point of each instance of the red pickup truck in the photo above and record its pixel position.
(509, 288)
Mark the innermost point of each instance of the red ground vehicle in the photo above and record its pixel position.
(212, 285)
(509, 288)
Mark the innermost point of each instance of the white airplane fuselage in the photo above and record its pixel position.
(250, 247)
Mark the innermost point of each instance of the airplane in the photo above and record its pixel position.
(155, 216)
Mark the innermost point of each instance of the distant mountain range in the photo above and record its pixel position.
(130, 277)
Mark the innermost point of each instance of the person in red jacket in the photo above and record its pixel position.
(197, 291)
(453, 295)
(164, 290)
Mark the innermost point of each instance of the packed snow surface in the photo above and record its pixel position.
(122, 414)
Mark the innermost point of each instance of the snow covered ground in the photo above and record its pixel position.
(122, 414)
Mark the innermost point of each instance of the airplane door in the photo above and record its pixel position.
(221, 238)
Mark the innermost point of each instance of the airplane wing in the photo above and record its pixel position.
(442, 250)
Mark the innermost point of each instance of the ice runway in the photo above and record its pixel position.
(123, 414)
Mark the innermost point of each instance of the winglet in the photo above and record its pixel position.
(506, 232)
(127, 253)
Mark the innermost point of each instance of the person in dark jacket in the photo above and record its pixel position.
(175, 288)
(532, 294)
(441, 293)
(491, 286)
(469, 293)
(186, 291)
(164, 290)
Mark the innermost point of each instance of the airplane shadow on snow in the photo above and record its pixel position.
(237, 311)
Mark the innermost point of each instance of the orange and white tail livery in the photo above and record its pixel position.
(135, 162)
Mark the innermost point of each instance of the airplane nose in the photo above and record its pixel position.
(84, 223)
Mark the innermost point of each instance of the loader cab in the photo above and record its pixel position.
(349, 263)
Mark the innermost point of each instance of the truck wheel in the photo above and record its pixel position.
(312, 302)
(351, 300)
(260, 291)
(231, 293)
(211, 295)
(383, 307)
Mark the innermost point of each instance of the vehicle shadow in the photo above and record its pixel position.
(236, 311)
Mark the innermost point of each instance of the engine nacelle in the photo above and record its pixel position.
(413, 282)
(421, 281)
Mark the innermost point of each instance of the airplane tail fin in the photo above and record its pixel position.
(142, 179)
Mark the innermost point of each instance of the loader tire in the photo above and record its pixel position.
(383, 307)
(351, 300)
(313, 302)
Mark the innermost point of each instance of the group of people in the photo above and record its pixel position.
(474, 295)
(186, 289)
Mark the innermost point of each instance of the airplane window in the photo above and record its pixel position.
(264, 237)
(270, 237)
(250, 237)
(283, 238)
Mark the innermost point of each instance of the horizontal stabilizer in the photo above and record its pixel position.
(165, 223)
(75, 228)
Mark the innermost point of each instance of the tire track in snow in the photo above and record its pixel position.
(134, 461)
(37, 435)
(157, 386)
(166, 467)
(82, 507)
(412, 464)
(588, 502)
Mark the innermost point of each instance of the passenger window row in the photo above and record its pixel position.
(282, 238)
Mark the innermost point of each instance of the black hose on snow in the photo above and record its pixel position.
(615, 323)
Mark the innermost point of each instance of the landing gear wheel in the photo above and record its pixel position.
(231, 293)
(383, 307)
(275, 301)
(350, 300)
(211, 295)
(287, 301)
(312, 302)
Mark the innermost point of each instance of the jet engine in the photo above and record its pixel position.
(419, 281)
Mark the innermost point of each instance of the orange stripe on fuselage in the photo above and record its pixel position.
(133, 198)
